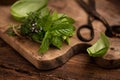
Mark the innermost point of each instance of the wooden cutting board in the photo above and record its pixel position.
(53, 57)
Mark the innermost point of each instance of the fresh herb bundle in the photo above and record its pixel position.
(47, 28)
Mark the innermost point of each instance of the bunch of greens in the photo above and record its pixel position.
(41, 25)
(47, 28)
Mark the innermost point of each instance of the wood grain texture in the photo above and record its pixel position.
(79, 67)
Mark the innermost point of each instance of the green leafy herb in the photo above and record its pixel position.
(100, 47)
(41, 25)
(47, 28)
(21, 8)
(10, 32)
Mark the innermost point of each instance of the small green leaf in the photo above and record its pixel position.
(55, 16)
(10, 32)
(62, 29)
(35, 37)
(57, 41)
(25, 30)
(67, 40)
(45, 43)
(100, 47)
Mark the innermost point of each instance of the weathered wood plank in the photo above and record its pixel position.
(80, 67)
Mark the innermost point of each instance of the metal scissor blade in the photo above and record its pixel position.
(90, 9)
(84, 5)
(92, 5)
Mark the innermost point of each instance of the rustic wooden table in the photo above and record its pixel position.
(80, 67)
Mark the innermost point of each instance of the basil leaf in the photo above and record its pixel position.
(100, 47)
(21, 8)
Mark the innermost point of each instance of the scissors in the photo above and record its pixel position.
(111, 31)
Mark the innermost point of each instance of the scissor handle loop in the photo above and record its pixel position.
(91, 33)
